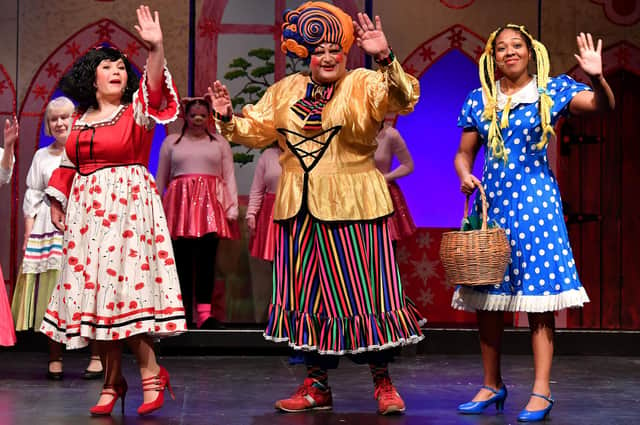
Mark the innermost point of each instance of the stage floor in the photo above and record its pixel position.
(241, 390)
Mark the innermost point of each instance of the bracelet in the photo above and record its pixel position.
(220, 117)
(386, 61)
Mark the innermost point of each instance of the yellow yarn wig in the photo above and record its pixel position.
(489, 89)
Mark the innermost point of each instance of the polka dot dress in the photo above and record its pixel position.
(524, 199)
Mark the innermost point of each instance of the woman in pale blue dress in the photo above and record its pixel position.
(513, 119)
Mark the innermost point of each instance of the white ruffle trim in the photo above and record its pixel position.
(467, 299)
(401, 342)
(57, 195)
(140, 111)
(37, 267)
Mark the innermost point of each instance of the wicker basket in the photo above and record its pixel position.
(475, 257)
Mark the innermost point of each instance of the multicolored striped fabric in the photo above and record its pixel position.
(310, 107)
(43, 252)
(337, 288)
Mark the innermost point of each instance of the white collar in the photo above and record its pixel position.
(527, 94)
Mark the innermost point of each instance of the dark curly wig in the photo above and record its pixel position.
(78, 83)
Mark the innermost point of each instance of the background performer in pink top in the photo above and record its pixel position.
(201, 203)
(262, 229)
(261, 199)
(390, 144)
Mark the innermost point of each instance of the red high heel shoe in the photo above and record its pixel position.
(116, 391)
(156, 383)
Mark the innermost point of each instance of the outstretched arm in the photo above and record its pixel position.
(401, 89)
(255, 128)
(590, 60)
(149, 30)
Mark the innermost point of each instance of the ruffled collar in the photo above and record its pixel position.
(527, 94)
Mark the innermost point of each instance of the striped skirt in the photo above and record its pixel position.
(337, 288)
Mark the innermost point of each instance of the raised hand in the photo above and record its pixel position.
(11, 131)
(590, 58)
(148, 26)
(369, 37)
(220, 99)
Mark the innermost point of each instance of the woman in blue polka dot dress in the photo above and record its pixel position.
(514, 118)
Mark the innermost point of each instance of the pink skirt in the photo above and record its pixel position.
(195, 205)
(262, 243)
(401, 223)
(7, 332)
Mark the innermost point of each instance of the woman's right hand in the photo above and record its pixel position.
(11, 130)
(251, 223)
(57, 214)
(468, 184)
(220, 99)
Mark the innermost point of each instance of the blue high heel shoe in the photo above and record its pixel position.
(477, 407)
(536, 415)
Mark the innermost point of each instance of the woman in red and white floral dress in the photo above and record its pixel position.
(120, 282)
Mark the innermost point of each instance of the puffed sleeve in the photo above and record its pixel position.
(256, 127)
(59, 186)
(161, 107)
(390, 89)
(562, 89)
(36, 184)
(471, 111)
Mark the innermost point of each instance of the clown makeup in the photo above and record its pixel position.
(327, 63)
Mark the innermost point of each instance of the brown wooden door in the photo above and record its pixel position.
(599, 177)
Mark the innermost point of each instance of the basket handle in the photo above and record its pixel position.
(483, 197)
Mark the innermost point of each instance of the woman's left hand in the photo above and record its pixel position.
(590, 57)
(149, 26)
(371, 38)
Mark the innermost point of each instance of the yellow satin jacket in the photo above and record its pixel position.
(332, 169)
